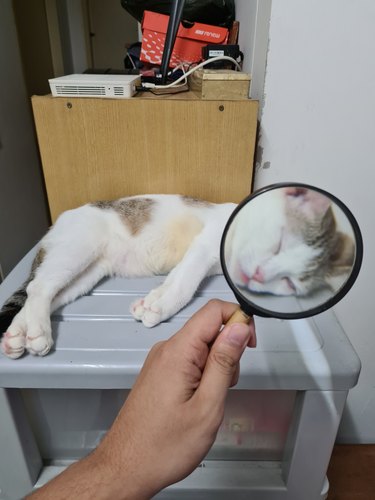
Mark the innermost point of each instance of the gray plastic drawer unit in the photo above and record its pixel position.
(280, 423)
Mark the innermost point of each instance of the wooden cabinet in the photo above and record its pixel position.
(95, 149)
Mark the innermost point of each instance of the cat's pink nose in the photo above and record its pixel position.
(258, 275)
(244, 277)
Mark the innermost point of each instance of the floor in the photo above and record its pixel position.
(351, 473)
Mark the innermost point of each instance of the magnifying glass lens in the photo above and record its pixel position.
(291, 251)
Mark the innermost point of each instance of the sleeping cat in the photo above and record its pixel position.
(300, 249)
(160, 234)
(129, 237)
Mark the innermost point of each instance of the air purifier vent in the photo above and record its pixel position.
(79, 90)
(118, 90)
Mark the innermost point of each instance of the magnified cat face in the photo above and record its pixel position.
(289, 249)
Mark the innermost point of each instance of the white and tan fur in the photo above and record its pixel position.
(290, 244)
(131, 237)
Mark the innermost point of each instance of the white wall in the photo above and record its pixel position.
(254, 16)
(74, 46)
(318, 126)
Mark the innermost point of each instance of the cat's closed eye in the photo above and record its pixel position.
(290, 284)
(278, 246)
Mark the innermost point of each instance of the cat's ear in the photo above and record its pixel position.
(309, 202)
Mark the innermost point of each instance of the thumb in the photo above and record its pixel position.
(222, 362)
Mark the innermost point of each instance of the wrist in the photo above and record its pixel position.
(120, 478)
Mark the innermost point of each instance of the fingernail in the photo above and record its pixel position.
(238, 334)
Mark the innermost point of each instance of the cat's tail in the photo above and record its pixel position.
(12, 306)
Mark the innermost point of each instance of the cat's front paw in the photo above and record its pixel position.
(137, 309)
(13, 344)
(147, 309)
(147, 313)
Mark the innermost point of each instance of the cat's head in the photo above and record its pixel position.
(294, 252)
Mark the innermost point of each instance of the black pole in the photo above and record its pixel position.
(170, 38)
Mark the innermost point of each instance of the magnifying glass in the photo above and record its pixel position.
(290, 251)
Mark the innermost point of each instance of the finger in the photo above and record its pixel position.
(206, 323)
(222, 362)
(235, 376)
(240, 316)
(253, 339)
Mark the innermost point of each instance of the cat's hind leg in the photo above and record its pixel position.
(44, 298)
(14, 341)
(70, 248)
(81, 284)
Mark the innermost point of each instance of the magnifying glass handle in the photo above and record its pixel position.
(239, 316)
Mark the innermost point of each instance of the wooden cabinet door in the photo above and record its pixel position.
(95, 149)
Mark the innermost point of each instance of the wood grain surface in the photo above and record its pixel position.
(96, 149)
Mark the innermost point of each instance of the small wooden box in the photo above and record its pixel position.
(220, 84)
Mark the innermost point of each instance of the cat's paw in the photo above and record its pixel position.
(152, 317)
(148, 314)
(137, 309)
(39, 345)
(147, 309)
(13, 344)
(39, 339)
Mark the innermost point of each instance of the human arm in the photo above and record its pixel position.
(171, 417)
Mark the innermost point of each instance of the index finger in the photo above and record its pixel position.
(206, 323)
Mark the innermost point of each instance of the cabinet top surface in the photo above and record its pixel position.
(182, 96)
(99, 345)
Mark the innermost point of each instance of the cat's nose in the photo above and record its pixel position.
(244, 277)
(258, 275)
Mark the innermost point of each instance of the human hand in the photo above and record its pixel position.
(172, 415)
